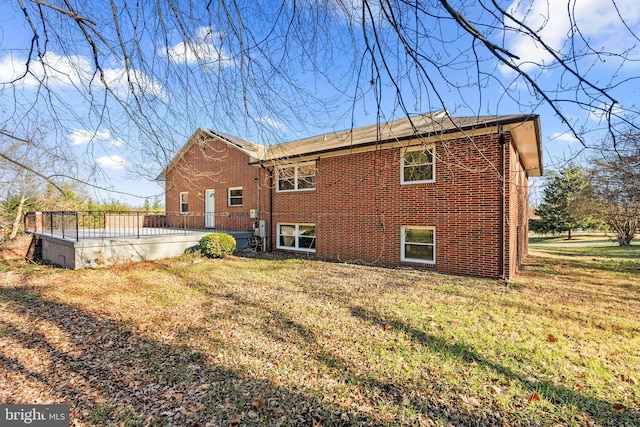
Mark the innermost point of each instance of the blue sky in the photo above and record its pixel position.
(331, 91)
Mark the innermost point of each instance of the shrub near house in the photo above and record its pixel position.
(217, 245)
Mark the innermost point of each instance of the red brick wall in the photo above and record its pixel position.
(215, 165)
(359, 207)
(517, 218)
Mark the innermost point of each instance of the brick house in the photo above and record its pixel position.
(210, 183)
(444, 193)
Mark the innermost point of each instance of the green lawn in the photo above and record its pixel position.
(295, 342)
(562, 238)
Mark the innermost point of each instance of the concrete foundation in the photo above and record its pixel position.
(90, 253)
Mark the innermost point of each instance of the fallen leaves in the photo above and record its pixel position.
(628, 379)
(290, 349)
(344, 404)
(235, 419)
(532, 397)
(618, 407)
(470, 400)
(259, 402)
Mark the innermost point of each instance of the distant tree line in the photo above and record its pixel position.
(14, 204)
(603, 195)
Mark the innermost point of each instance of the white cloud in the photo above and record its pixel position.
(352, 10)
(84, 136)
(74, 70)
(273, 123)
(598, 21)
(549, 20)
(114, 162)
(57, 70)
(564, 137)
(118, 80)
(81, 136)
(600, 113)
(202, 49)
(349, 11)
(10, 69)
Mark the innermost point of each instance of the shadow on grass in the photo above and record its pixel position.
(596, 268)
(415, 397)
(122, 376)
(601, 411)
(618, 259)
(114, 375)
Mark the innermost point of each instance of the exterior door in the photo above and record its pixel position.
(209, 209)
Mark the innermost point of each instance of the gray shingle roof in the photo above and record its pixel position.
(432, 124)
(524, 127)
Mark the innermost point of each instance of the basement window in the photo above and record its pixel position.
(297, 237)
(418, 244)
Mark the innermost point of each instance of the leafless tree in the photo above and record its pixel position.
(26, 165)
(615, 178)
(149, 73)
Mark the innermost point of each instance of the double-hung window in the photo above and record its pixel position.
(184, 202)
(235, 196)
(298, 177)
(418, 166)
(298, 237)
(418, 244)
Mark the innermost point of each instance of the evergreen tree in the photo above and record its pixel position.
(146, 206)
(156, 207)
(565, 206)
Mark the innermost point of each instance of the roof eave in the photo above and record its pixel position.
(210, 134)
(526, 136)
(514, 122)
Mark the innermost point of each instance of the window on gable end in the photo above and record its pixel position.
(184, 202)
(235, 196)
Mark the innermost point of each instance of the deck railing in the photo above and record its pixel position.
(78, 225)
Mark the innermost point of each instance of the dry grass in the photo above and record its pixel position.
(15, 249)
(296, 342)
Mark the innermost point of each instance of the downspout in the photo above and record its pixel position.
(259, 182)
(502, 141)
(271, 210)
(270, 234)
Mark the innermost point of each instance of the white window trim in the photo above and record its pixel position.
(295, 177)
(180, 202)
(403, 258)
(229, 197)
(297, 236)
(430, 147)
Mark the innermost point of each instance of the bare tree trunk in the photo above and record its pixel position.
(16, 222)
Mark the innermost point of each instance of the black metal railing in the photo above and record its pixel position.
(78, 225)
